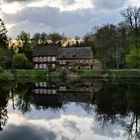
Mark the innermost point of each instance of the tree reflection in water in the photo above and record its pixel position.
(110, 103)
(113, 103)
(4, 96)
(24, 96)
(133, 125)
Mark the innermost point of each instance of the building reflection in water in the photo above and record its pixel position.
(111, 103)
(54, 96)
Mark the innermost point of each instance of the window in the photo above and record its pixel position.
(44, 66)
(45, 59)
(54, 91)
(45, 91)
(36, 84)
(49, 91)
(40, 59)
(37, 91)
(62, 62)
(49, 58)
(53, 65)
(40, 66)
(35, 59)
(45, 84)
(81, 61)
(36, 66)
(62, 88)
(86, 61)
(54, 58)
(41, 91)
(41, 84)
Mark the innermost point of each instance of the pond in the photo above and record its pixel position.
(45, 110)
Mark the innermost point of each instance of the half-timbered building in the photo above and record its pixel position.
(78, 57)
(44, 56)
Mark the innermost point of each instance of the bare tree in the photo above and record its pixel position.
(132, 18)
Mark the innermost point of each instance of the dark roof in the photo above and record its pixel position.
(45, 50)
(75, 53)
(47, 100)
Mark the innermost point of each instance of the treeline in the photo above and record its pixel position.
(116, 46)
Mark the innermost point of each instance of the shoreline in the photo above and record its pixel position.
(77, 74)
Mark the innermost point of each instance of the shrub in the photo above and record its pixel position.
(6, 76)
(20, 61)
(133, 58)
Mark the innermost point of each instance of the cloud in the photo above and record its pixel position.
(11, 8)
(9, 1)
(112, 131)
(48, 19)
(14, 132)
(64, 2)
(68, 2)
(63, 16)
(108, 4)
(71, 126)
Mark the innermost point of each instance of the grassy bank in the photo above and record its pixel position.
(31, 73)
(8, 75)
(124, 73)
(79, 74)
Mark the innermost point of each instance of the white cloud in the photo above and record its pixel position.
(11, 8)
(63, 5)
(9, 26)
(40, 19)
(71, 126)
(10, 1)
(132, 3)
(68, 2)
(72, 17)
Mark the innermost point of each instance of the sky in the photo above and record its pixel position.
(71, 17)
(71, 123)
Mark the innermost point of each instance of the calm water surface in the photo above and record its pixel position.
(99, 110)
